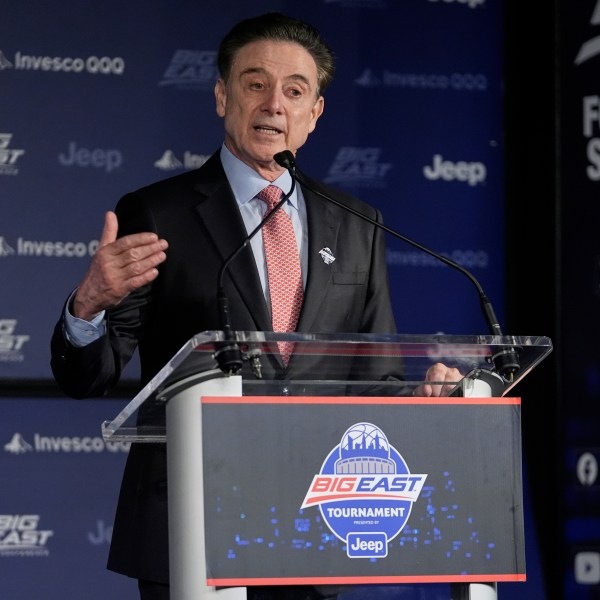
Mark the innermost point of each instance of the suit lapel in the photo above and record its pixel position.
(322, 234)
(219, 212)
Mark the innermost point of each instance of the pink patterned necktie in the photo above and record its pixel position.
(283, 268)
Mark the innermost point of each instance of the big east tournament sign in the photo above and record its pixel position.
(364, 491)
(292, 497)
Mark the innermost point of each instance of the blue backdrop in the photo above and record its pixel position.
(100, 98)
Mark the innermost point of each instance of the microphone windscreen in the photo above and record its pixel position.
(285, 159)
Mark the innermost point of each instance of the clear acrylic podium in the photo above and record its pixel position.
(456, 517)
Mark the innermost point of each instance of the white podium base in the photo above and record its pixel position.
(187, 564)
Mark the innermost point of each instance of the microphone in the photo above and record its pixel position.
(505, 361)
(228, 354)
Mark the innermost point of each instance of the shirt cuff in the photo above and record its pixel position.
(79, 332)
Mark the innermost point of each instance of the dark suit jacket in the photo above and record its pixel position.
(198, 215)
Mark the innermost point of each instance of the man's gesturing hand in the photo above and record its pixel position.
(119, 267)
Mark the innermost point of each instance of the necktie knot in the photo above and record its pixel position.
(271, 195)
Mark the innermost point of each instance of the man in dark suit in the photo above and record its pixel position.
(151, 284)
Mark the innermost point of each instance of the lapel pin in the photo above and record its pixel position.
(327, 256)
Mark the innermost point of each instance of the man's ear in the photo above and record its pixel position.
(315, 113)
(220, 96)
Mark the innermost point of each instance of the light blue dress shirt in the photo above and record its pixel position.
(246, 183)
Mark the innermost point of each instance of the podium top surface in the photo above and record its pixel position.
(327, 365)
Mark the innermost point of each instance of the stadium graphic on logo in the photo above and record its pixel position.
(365, 491)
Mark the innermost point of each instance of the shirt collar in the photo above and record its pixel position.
(246, 183)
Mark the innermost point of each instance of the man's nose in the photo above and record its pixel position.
(273, 101)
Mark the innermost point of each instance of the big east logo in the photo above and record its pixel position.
(364, 491)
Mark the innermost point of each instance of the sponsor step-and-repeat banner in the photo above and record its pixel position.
(60, 484)
(99, 100)
(102, 98)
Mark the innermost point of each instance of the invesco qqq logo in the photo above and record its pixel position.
(102, 65)
(365, 491)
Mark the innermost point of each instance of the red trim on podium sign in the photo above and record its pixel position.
(367, 580)
(357, 400)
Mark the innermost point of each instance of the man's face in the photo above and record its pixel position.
(269, 103)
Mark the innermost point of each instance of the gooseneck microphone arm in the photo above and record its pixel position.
(506, 361)
(228, 355)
